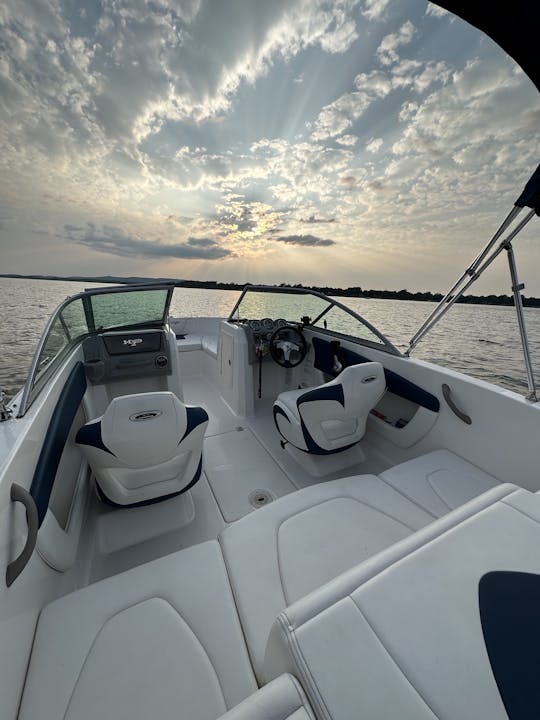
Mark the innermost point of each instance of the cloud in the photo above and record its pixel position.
(374, 145)
(386, 51)
(113, 241)
(312, 220)
(305, 240)
(201, 242)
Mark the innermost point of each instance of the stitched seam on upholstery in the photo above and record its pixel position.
(401, 492)
(129, 607)
(302, 699)
(392, 658)
(302, 666)
(234, 598)
(437, 493)
(521, 512)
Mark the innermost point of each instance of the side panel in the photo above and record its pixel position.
(38, 584)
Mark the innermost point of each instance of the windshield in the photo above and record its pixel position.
(95, 310)
(298, 305)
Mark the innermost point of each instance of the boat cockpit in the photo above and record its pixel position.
(270, 515)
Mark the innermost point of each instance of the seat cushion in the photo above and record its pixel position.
(406, 634)
(439, 481)
(281, 699)
(162, 640)
(297, 543)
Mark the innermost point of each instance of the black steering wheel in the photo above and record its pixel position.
(287, 346)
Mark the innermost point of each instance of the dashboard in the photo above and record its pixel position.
(258, 333)
(123, 355)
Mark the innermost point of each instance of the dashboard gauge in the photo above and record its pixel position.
(255, 325)
(267, 324)
(280, 323)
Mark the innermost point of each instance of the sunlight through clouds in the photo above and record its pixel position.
(279, 141)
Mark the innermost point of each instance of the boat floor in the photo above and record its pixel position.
(244, 467)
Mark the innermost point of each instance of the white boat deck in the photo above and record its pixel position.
(243, 462)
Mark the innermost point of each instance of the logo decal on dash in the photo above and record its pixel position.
(132, 342)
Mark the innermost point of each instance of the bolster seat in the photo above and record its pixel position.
(146, 447)
(159, 641)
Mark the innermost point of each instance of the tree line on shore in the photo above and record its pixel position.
(357, 291)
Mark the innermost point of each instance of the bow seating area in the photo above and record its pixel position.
(194, 634)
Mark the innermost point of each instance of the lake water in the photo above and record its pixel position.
(482, 341)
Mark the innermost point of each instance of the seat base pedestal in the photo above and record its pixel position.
(322, 465)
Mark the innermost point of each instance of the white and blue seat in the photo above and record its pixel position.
(332, 417)
(145, 448)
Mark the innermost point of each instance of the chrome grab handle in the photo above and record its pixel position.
(447, 393)
(15, 567)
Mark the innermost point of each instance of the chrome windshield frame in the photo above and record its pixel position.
(387, 345)
(89, 292)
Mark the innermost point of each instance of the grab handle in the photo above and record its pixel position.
(15, 567)
(447, 393)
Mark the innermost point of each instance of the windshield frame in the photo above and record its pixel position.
(387, 346)
(31, 384)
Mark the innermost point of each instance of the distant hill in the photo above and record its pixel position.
(332, 291)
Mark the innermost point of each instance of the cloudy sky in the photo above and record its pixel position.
(344, 142)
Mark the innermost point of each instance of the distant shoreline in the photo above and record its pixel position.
(332, 291)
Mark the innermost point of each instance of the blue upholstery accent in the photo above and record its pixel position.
(326, 392)
(55, 438)
(508, 603)
(195, 416)
(90, 434)
(152, 501)
(324, 361)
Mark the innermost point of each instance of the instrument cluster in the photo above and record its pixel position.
(259, 333)
(266, 326)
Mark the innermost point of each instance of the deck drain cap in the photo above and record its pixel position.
(258, 498)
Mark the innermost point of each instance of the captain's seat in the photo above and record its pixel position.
(145, 448)
(331, 417)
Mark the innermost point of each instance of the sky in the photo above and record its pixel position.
(372, 143)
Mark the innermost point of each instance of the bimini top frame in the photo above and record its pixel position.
(530, 197)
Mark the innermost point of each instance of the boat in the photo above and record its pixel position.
(277, 514)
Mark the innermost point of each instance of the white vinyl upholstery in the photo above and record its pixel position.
(144, 447)
(281, 699)
(333, 416)
(159, 641)
(299, 542)
(439, 481)
(401, 635)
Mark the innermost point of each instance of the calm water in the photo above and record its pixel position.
(478, 340)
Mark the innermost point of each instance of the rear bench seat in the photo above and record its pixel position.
(164, 639)
(301, 541)
(444, 625)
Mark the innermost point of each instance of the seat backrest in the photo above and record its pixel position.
(145, 447)
(363, 386)
(335, 414)
(144, 429)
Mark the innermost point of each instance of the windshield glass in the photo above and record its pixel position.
(93, 311)
(297, 305)
(291, 306)
(143, 307)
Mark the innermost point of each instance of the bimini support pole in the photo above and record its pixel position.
(530, 197)
(517, 287)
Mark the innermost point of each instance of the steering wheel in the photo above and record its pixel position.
(287, 346)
